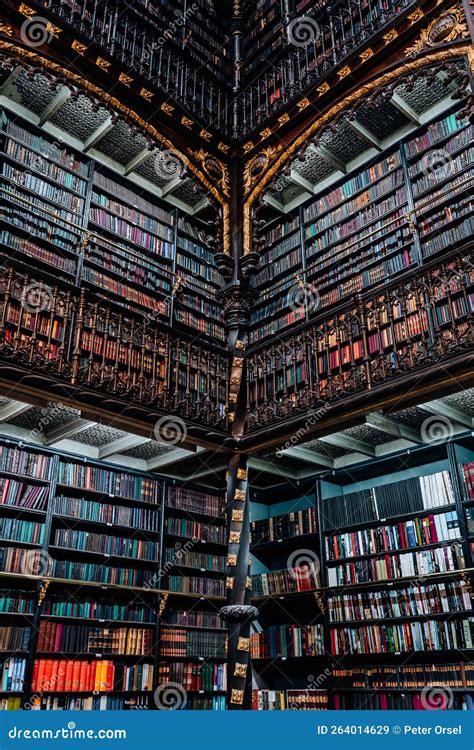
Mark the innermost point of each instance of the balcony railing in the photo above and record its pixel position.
(136, 38)
(377, 339)
(65, 333)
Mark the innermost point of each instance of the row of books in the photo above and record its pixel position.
(60, 638)
(293, 524)
(43, 146)
(103, 675)
(199, 560)
(124, 291)
(414, 533)
(132, 198)
(99, 609)
(44, 229)
(98, 573)
(12, 674)
(388, 500)
(196, 585)
(136, 218)
(428, 635)
(27, 463)
(195, 618)
(450, 237)
(14, 639)
(301, 578)
(468, 474)
(290, 700)
(181, 642)
(20, 495)
(409, 601)
(381, 701)
(90, 703)
(12, 529)
(207, 677)
(51, 192)
(12, 703)
(404, 565)
(215, 330)
(123, 262)
(119, 515)
(131, 233)
(404, 676)
(193, 530)
(46, 167)
(435, 132)
(109, 482)
(138, 549)
(287, 641)
(17, 602)
(460, 163)
(194, 501)
(32, 250)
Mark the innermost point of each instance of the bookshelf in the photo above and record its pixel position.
(95, 230)
(85, 620)
(392, 613)
(374, 224)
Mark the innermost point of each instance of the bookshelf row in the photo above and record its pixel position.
(384, 220)
(385, 549)
(90, 229)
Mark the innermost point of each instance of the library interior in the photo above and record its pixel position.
(236, 355)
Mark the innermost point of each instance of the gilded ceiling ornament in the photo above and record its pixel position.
(168, 108)
(448, 27)
(215, 169)
(390, 36)
(323, 88)
(187, 122)
(125, 79)
(6, 29)
(103, 64)
(258, 164)
(283, 119)
(366, 54)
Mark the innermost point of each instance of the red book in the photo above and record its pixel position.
(110, 672)
(76, 676)
(48, 673)
(61, 675)
(34, 680)
(57, 637)
(89, 682)
(434, 535)
(83, 677)
(68, 678)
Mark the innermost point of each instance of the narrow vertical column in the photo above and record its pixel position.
(238, 613)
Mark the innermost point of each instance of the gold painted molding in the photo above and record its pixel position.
(425, 61)
(116, 104)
